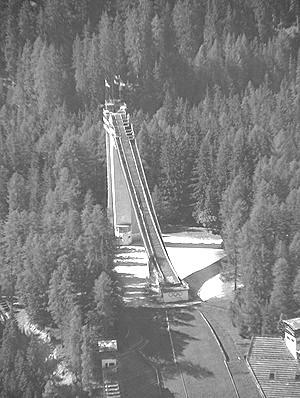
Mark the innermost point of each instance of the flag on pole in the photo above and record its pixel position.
(117, 80)
(106, 84)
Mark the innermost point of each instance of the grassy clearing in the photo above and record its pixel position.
(217, 312)
(198, 354)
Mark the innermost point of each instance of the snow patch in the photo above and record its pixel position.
(215, 287)
(187, 260)
(135, 255)
(176, 239)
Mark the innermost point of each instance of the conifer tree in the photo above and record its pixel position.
(138, 38)
(175, 175)
(9, 349)
(107, 302)
(107, 47)
(61, 295)
(3, 192)
(38, 365)
(263, 16)
(27, 22)
(14, 234)
(296, 290)
(12, 37)
(73, 340)
(32, 283)
(203, 175)
(118, 35)
(211, 27)
(294, 253)
(18, 197)
(281, 296)
(149, 136)
(89, 360)
(184, 29)
(48, 79)
(257, 259)
(98, 241)
(62, 20)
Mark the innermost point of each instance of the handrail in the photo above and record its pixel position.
(138, 161)
(152, 215)
(147, 197)
(152, 253)
(146, 236)
(134, 195)
(138, 212)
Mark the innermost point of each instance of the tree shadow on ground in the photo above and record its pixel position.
(129, 262)
(180, 317)
(186, 367)
(166, 393)
(135, 290)
(132, 283)
(130, 249)
(197, 371)
(126, 279)
(194, 245)
(152, 326)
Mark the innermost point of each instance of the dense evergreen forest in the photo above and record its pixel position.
(213, 87)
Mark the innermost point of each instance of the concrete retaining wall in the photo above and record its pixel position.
(198, 278)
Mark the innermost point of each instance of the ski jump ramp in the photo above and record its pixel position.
(129, 201)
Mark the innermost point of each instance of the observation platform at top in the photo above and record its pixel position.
(114, 106)
(130, 205)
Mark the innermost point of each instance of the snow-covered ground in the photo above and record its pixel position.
(215, 287)
(188, 257)
(28, 328)
(187, 260)
(133, 262)
(192, 240)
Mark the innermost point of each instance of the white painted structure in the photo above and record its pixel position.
(118, 201)
(130, 205)
(175, 294)
(124, 234)
(108, 350)
(292, 336)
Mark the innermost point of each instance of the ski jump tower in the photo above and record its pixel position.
(129, 201)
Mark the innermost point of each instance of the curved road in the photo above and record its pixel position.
(201, 371)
